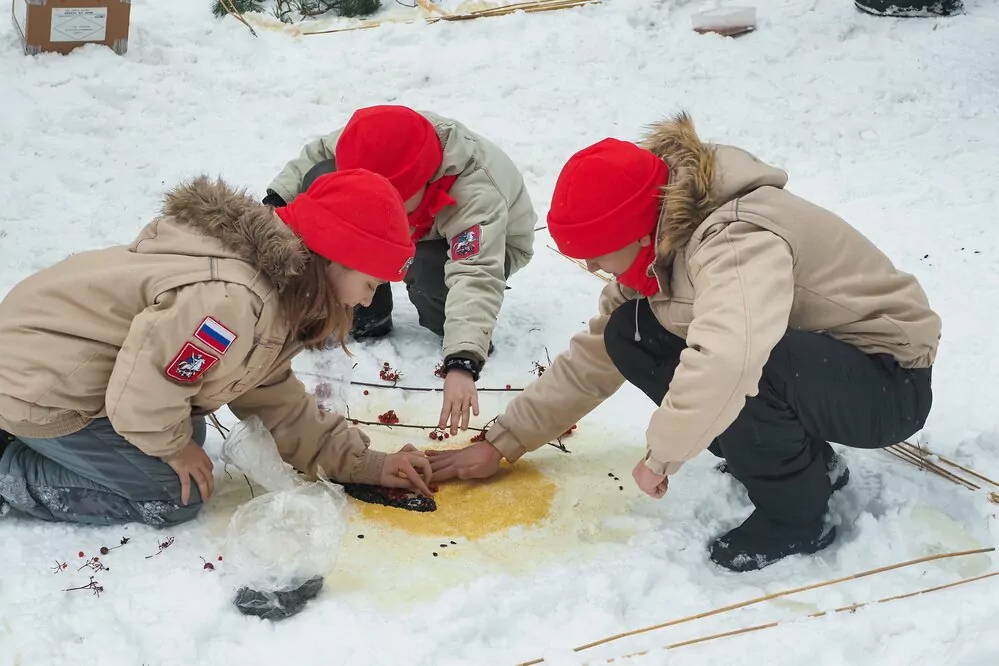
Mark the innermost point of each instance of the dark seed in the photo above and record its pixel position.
(610, 474)
(454, 543)
(443, 545)
(435, 554)
(360, 536)
(620, 487)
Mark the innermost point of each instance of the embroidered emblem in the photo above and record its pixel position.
(466, 244)
(215, 335)
(190, 363)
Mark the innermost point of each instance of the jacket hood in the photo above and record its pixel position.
(702, 178)
(244, 228)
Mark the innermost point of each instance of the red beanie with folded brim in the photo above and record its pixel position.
(354, 218)
(607, 196)
(394, 141)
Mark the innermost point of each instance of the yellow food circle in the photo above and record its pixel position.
(516, 496)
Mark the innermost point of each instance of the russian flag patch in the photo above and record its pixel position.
(215, 335)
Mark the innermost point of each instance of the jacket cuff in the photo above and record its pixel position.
(505, 443)
(466, 349)
(369, 467)
(662, 468)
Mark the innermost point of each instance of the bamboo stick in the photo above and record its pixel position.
(775, 595)
(844, 609)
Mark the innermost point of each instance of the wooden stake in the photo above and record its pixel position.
(769, 597)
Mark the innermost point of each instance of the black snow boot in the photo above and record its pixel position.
(839, 473)
(910, 8)
(760, 542)
(374, 321)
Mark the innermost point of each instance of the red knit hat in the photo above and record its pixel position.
(393, 141)
(356, 219)
(607, 196)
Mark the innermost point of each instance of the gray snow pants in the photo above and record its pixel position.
(94, 477)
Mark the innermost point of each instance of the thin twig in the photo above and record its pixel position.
(403, 425)
(922, 463)
(231, 8)
(417, 389)
(844, 609)
(775, 595)
(250, 485)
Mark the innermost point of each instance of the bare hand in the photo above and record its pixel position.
(399, 470)
(191, 462)
(478, 461)
(459, 395)
(652, 484)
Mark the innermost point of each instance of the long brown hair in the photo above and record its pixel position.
(317, 319)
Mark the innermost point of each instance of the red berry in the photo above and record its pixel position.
(81, 553)
(104, 550)
(220, 558)
(365, 393)
(209, 566)
(508, 387)
(447, 435)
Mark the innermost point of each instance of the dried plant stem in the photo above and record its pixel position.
(231, 8)
(923, 453)
(844, 609)
(775, 595)
(403, 425)
(416, 389)
(527, 7)
(922, 463)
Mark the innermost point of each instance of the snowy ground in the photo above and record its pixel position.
(890, 123)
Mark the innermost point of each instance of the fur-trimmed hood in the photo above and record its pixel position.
(702, 177)
(244, 228)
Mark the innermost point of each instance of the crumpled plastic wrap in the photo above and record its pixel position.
(279, 544)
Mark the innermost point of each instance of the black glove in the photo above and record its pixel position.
(274, 199)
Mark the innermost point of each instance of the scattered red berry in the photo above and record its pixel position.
(447, 435)
(433, 435)
(388, 374)
(208, 565)
(220, 558)
(508, 387)
(388, 418)
(104, 550)
(81, 553)
(354, 421)
(439, 371)
(365, 392)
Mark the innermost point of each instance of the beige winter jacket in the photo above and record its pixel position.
(121, 333)
(740, 260)
(490, 192)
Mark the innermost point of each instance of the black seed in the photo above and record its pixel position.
(620, 487)
(360, 536)
(435, 554)
(454, 543)
(610, 474)
(443, 545)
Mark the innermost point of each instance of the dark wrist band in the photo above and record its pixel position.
(460, 363)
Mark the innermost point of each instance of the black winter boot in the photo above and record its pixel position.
(760, 542)
(839, 473)
(910, 8)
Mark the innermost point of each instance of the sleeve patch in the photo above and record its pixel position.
(215, 335)
(190, 363)
(466, 244)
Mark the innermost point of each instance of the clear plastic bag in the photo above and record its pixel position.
(280, 544)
